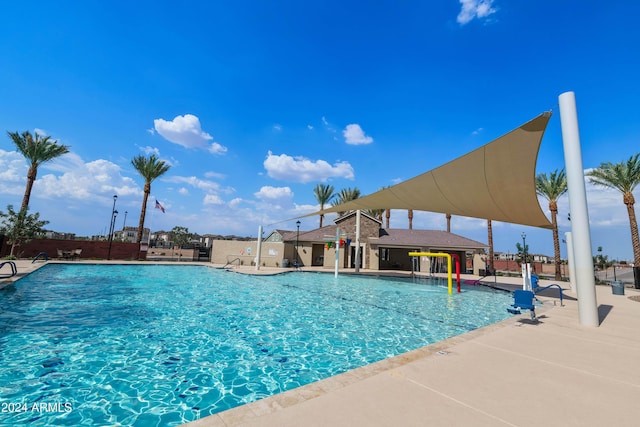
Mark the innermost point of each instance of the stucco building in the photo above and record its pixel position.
(381, 249)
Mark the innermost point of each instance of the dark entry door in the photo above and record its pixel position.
(353, 257)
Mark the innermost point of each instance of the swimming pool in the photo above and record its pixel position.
(164, 345)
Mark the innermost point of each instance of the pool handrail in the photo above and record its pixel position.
(535, 286)
(231, 262)
(46, 257)
(12, 265)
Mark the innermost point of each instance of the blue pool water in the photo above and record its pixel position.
(163, 345)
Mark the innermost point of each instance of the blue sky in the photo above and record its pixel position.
(254, 103)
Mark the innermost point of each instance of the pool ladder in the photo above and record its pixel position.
(231, 262)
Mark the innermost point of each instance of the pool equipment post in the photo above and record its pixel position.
(358, 255)
(440, 254)
(337, 251)
(259, 250)
(581, 234)
(526, 276)
(457, 258)
(570, 261)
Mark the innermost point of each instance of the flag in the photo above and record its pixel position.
(159, 206)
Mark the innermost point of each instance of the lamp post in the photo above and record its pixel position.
(524, 248)
(297, 237)
(114, 213)
(124, 223)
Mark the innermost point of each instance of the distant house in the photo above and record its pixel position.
(508, 256)
(381, 249)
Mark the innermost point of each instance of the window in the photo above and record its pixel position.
(385, 254)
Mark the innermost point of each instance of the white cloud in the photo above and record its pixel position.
(310, 127)
(214, 175)
(300, 169)
(327, 125)
(353, 134)
(277, 127)
(183, 191)
(13, 173)
(274, 193)
(472, 9)
(212, 199)
(83, 181)
(201, 184)
(186, 131)
(216, 148)
(150, 150)
(477, 131)
(40, 132)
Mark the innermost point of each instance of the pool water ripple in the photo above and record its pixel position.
(164, 345)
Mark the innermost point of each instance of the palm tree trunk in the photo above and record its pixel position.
(388, 215)
(556, 244)
(490, 238)
(31, 177)
(410, 214)
(143, 213)
(448, 223)
(635, 242)
(321, 217)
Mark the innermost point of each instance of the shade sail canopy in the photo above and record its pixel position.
(495, 181)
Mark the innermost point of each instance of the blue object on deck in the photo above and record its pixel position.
(523, 300)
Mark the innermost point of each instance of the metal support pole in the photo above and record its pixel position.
(259, 249)
(585, 281)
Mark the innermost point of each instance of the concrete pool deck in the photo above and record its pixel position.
(555, 372)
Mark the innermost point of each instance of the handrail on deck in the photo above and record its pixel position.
(44, 254)
(231, 262)
(12, 265)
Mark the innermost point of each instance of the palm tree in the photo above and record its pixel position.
(388, 216)
(448, 223)
(150, 169)
(37, 151)
(490, 241)
(624, 177)
(375, 213)
(410, 215)
(324, 193)
(346, 195)
(551, 188)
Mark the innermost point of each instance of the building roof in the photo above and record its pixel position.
(431, 238)
(395, 237)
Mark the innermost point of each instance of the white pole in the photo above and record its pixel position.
(358, 241)
(571, 261)
(337, 251)
(259, 249)
(584, 278)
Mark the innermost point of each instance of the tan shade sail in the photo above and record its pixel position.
(495, 181)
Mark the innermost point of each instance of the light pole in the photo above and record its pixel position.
(297, 237)
(124, 223)
(114, 212)
(524, 248)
